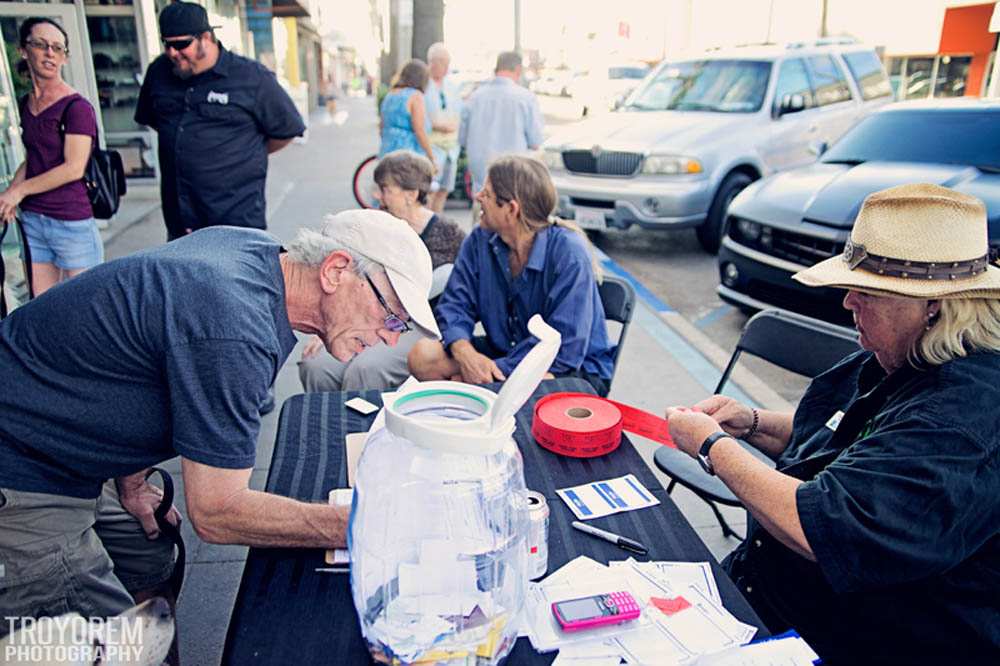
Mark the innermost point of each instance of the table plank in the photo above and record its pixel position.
(286, 612)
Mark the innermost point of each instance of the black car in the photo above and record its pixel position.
(792, 220)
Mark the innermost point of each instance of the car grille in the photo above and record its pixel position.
(798, 248)
(607, 163)
(805, 250)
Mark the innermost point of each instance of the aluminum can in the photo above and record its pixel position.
(538, 535)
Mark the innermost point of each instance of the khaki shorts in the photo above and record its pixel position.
(64, 554)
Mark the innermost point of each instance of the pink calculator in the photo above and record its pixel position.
(595, 611)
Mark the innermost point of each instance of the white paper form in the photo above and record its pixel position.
(603, 498)
(791, 651)
(698, 574)
(706, 626)
(703, 627)
(341, 557)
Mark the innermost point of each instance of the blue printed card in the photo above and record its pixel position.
(603, 498)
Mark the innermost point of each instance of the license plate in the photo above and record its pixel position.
(591, 218)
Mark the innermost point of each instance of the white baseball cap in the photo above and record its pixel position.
(391, 242)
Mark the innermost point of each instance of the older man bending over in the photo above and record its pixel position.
(168, 352)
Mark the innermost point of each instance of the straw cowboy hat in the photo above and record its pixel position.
(921, 240)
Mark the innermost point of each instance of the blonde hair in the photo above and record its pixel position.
(527, 181)
(963, 326)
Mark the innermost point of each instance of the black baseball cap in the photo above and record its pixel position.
(183, 18)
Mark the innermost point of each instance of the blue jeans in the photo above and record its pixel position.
(69, 244)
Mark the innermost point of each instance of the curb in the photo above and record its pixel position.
(758, 391)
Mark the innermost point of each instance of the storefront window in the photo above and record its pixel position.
(951, 75)
(115, 47)
(918, 78)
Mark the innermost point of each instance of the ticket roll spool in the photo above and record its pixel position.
(581, 425)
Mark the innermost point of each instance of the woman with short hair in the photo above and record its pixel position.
(404, 182)
(520, 261)
(877, 537)
(59, 129)
(403, 119)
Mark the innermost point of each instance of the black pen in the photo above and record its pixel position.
(620, 541)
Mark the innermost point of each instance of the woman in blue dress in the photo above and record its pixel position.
(404, 123)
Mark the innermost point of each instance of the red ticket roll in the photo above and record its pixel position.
(581, 425)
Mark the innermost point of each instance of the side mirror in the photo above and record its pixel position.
(817, 148)
(791, 103)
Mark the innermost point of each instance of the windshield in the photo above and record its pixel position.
(627, 72)
(729, 86)
(939, 136)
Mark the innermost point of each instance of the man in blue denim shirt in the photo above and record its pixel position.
(515, 265)
(877, 536)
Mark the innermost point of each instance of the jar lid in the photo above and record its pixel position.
(462, 418)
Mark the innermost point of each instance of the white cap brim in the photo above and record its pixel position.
(414, 300)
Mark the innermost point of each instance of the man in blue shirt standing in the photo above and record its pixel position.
(218, 116)
(500, 118)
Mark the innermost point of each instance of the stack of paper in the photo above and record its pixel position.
(786, 651)
(682, 615)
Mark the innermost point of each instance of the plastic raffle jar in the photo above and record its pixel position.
(438, 527)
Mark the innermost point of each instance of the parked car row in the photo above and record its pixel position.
(696, 132)
(790, 221)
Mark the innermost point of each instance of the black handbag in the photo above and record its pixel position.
(104, 176)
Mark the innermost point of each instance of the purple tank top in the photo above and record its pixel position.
(43, 144)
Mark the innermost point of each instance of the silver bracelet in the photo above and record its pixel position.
(753, 427)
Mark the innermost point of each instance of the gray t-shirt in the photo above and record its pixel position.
(167, 351)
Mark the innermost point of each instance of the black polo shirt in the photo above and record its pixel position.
(901, 507)
(213, 130)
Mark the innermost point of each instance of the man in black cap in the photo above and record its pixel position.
(218, 116)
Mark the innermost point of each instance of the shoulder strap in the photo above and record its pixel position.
(62, 124)
(62, 117)
(3, 274)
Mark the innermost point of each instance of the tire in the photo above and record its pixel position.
(710, 231)
(363, 183)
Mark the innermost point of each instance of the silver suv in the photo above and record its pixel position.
(696, 132)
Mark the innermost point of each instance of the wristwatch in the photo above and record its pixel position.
(706, 446)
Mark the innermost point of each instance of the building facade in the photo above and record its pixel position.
(112, 43)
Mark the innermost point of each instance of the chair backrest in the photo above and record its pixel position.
(618, 299)
(797, 343)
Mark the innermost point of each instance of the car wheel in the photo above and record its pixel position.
(710, 231)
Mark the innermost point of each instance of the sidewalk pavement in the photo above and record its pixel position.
(665, 361)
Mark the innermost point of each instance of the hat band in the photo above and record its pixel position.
(856, 256)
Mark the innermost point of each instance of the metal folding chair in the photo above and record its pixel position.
(794, 342)
(618, 299)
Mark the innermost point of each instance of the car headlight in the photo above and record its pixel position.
(552, 159)
(749, 230)
(670, 165)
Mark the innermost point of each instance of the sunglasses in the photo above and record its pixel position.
(392, 321)
(178, 44)
(43, 46)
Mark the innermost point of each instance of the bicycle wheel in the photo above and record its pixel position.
(364, 183)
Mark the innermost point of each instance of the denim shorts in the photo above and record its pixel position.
(69, 244)
(447, 168)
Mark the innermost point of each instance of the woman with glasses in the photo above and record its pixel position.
(59, 129)
(403, 118)
(520, 261)
(404, 183)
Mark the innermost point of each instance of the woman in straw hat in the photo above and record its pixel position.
(877, 536)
